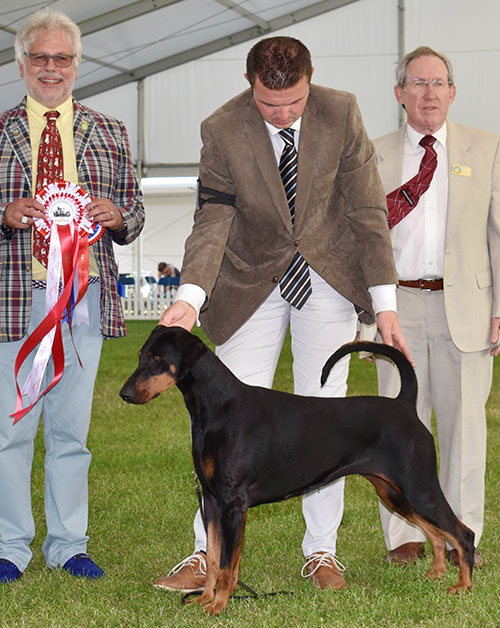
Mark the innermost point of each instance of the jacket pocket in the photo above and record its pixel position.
(483, 278)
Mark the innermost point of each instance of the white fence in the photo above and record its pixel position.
(147, 305)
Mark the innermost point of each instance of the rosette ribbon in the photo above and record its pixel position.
(69, 233)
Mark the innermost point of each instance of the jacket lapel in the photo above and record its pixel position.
(18, 132)
(260, 143)
(458, 185)
(391, 169)
(83, 123)
(310, 137)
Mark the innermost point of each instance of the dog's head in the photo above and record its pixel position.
(164, 360)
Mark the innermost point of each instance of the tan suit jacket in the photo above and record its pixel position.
(238, 252)
(472, 248)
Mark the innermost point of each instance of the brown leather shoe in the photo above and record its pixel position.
(452, 556)
(324, 570)
(406, 553)
(188, 576)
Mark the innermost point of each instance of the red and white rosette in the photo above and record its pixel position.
(69, 233)
(65, 204)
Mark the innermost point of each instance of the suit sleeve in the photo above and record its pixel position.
(494, 233)
(204, 249)
(365, 203)
(127, 194)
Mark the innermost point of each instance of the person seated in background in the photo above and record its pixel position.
(168, 270)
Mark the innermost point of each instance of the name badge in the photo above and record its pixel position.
(461, 171)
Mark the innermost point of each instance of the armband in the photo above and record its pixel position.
(209, 195)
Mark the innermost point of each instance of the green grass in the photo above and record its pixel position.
(142, 503)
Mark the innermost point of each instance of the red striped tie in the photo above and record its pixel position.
(50, 168)
(406, 197)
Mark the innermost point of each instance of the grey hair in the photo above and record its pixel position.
(421, 51)
(47, 19)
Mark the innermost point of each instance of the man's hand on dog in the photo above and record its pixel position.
(179, 314)
(390, 330)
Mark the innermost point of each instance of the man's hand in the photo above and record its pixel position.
(103, 211)
(21, 214)
(179, 314)
(495, 336)
(390, 330)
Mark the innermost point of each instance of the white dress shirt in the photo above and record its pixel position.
(420, 236)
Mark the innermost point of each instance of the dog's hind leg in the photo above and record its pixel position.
(437, 520)
(233, 527)
(393, 499)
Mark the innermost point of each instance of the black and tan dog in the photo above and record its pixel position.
(252, 446)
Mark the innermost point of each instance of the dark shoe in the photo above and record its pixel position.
(188, 576)
(81, 566)
(452, 556)
(406, 553)
(324, 570)
(8, 571)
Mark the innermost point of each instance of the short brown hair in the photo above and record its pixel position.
(279, 62)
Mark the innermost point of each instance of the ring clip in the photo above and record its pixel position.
(24, 220)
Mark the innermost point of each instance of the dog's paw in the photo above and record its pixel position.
(459, 588)
(215, 607)
(435, 573)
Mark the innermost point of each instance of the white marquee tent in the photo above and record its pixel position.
(161, 66)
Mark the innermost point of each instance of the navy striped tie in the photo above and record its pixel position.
(295, 285)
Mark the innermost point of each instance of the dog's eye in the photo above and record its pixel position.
(156, 358)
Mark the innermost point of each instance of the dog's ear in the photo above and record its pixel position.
(177, 347)
(189, 349)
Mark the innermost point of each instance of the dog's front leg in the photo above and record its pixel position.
(233, 527)
(213, 550)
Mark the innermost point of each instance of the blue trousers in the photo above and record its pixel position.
(66, 411)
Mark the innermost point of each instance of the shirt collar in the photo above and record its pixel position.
(274, 130)
(33, 107)
(414, 137)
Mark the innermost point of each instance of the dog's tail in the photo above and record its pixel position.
(408, 378)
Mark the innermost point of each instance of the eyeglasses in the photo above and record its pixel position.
(40, 59)
(421, 84)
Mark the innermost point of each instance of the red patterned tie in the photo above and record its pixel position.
(50, 168)
(405, 198)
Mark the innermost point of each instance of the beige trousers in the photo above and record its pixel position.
(456, 385)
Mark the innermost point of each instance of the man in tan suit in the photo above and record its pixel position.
(447, 254)
(250, 226)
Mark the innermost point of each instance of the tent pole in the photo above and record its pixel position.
(140, 161)
(401, 49)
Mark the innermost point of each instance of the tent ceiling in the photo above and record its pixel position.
(132, 40)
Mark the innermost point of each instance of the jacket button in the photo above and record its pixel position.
(297, 242)
(276, 279)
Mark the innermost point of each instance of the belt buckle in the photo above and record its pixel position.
(421, 285)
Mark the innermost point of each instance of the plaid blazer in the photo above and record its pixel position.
(104, 170)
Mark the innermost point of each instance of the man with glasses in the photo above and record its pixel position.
(445, 228)
(49, 136)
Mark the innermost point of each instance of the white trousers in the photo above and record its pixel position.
(325, 322)
(457, 386)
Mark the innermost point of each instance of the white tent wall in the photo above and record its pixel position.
(349, 46)
(169, 218)
(354, 48)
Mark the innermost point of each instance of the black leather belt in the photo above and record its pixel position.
(427, 285)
